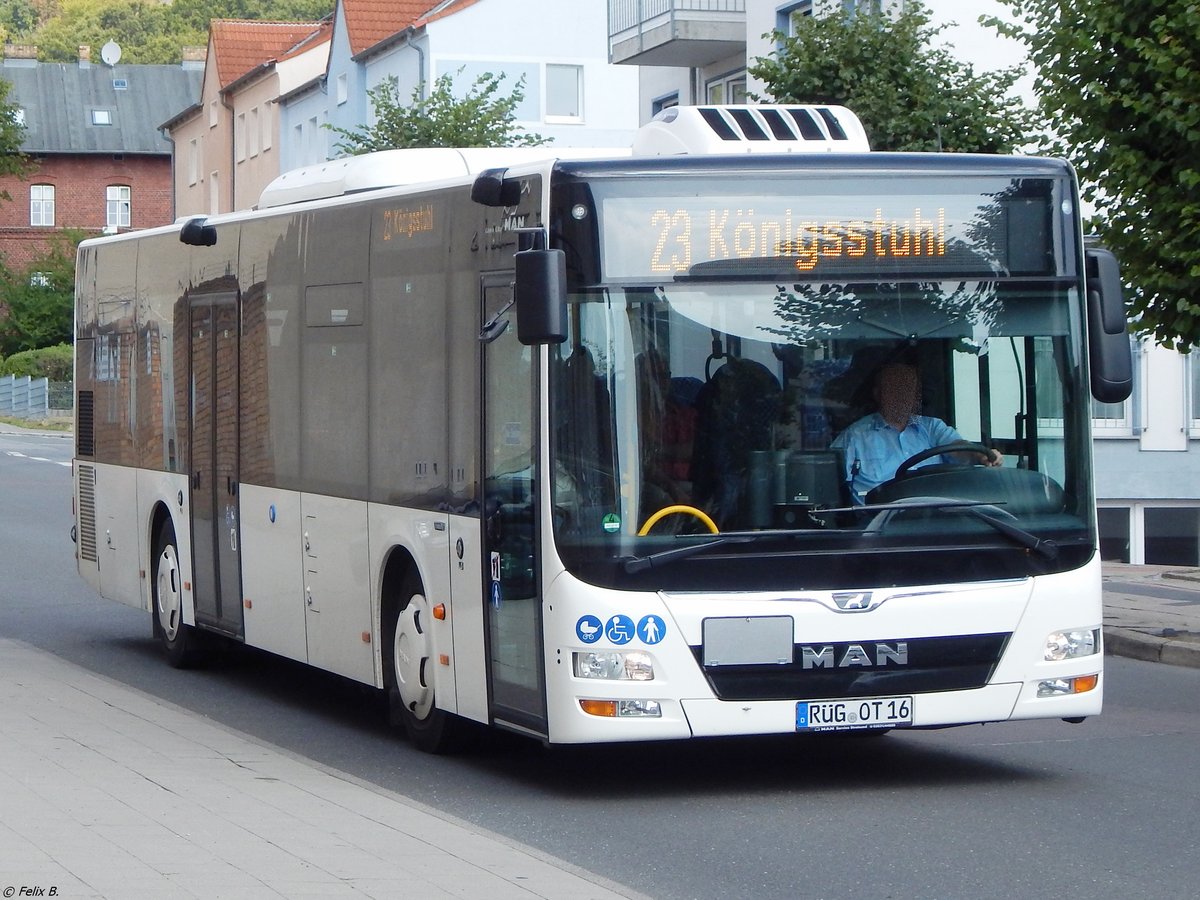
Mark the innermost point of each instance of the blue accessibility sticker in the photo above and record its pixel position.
(619, 629)
(589, 629)
(651, 629)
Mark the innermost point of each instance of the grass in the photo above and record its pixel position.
(55, 424)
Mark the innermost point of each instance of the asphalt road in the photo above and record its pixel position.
(1102, 809)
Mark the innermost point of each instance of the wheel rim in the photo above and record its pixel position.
(410, 657)
(168, 593)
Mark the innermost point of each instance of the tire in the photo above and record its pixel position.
(179, 642)
(408, 673)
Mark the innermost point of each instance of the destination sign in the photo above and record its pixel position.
(843, 236)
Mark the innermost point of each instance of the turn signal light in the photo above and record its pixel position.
(607, 708)
(1060, 687)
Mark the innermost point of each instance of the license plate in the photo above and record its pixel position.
(847, 715)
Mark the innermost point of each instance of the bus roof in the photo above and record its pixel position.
(679, 130)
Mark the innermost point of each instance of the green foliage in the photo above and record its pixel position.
(908, 94)
(12, 161)
(55, 363)
(1121, 83)
(148, 31)
(479, 119)
(39, 311)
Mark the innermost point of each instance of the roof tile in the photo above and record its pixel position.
(241, 46)
(370, 21)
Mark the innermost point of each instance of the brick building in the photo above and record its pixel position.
(92, 131)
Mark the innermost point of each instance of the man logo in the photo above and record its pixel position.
(856, 601)
(846, 656)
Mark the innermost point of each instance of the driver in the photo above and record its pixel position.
(878, 443)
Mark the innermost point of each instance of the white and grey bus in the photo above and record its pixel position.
(310, 428)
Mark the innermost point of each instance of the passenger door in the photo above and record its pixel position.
(512, 590)
(216, 553)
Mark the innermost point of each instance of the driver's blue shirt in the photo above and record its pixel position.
(874, 449)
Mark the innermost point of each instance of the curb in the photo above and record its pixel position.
(1135, 645)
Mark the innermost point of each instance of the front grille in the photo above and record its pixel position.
(956, 663)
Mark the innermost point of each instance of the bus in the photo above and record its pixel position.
(550, 441)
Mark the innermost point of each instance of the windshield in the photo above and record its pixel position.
(718, 432)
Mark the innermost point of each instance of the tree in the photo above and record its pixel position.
(12, 134)
(479, 119)
(40, 300)
(148, 31)
(908, 94)
(1121, 83)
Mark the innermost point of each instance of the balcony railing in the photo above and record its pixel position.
(689, 33)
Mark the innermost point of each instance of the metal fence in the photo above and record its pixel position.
(34, 398)
(623, 14)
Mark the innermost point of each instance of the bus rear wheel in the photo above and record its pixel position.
(408, 673)
(179, 641)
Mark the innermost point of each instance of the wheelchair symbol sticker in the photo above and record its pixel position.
(619, 629)
(589, 629)
(651, 629)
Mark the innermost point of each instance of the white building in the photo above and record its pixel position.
(573, 96)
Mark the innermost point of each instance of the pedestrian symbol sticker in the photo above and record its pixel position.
(589, 629)
(651, 629)
(619, 629)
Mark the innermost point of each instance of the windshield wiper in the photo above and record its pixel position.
(980, 510)
(635, 564)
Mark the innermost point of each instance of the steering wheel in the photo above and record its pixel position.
(678, 508)
(957, 447)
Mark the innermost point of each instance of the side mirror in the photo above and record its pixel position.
(491, 188)
(1108, 339)
(541, 296)
(197, 233)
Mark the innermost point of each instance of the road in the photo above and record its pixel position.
(1102, 809)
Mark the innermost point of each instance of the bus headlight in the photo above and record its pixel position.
(1072, 644)
(613, 665)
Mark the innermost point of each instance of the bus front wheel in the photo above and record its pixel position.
(408, 648)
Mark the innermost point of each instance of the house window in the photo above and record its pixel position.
(871, 7)
(41, 204)
(343, 88)
(564, 92)
(102, 117)
(252, 133)
(214, 115)
(667, 102)
(1193, 389)
(788, 17)
(239, 137)
(268, 125)
(118, 205)
(39, 279)
(1110, 418)
(727, 89)
(193, 161)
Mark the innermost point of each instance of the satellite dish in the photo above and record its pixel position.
(110, 53)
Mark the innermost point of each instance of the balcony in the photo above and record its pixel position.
(684, 33)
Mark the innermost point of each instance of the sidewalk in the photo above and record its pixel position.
(109, 793)
(1152, 613)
